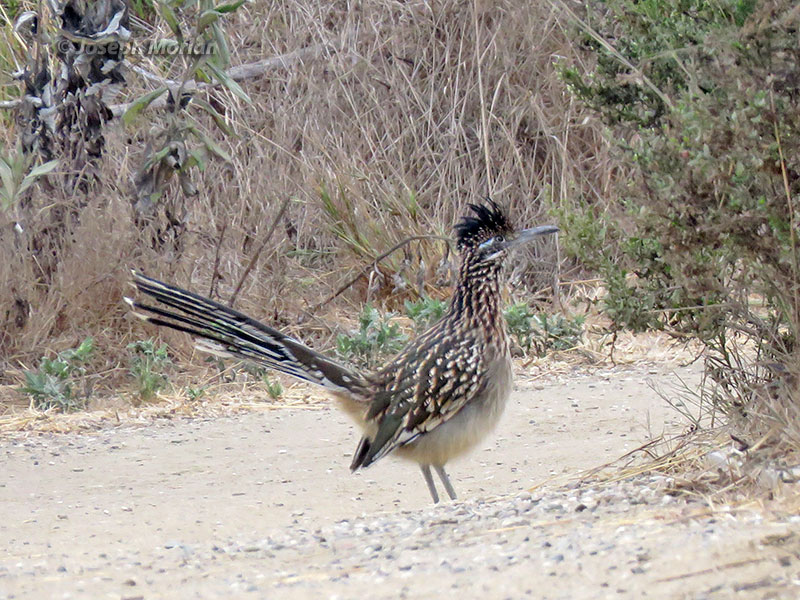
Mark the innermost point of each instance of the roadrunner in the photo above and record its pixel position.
(437, 399)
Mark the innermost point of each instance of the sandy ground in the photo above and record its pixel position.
(262, 505)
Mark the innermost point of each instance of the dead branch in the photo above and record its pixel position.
(374, 263)
(282, 61)
(257, 253)
(237, 73)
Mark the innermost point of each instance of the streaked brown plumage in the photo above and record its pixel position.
(440, 396)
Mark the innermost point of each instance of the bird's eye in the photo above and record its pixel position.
(499, 238)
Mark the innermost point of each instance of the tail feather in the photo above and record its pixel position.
(227, 332)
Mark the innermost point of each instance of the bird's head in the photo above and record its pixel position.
(487, 236)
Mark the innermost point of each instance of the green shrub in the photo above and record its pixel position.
(376, 339)
(425, 311)
(17, 175)
(144, 9)
(557, 332)
(540, 332)
(274, 388)
(51, 385)
(195, 393)
(519, 319)
(703, 99)
(147, 365)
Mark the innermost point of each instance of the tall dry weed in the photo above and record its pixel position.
(410, 111)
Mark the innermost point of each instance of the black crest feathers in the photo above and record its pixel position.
(490, 219)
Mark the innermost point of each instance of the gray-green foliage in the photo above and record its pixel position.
(274, 387)
(541, 333)
(425, 311)
(376, 339)
(519, 320)
(379, 337)
(148, 364)
(557, 332)
(52, 384)
(703, 99)
(689, 90)
(181, 146)
(195, 393)
(17, 174)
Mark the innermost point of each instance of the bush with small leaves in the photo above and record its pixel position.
(148, 362)
(377, 338)
(425, 311)
(703, 100)
(540, 332)
(557, 332)
(51, 385)
(519, 320)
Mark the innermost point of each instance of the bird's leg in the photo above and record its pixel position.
(446, 481)
(426, 473)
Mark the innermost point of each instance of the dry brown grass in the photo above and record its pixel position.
(415, 110)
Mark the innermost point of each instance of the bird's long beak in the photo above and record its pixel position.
(526, 235)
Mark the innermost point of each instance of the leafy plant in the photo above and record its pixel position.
(588, 234)
(519, 319)
(51, 385)
(345, 223)
(17, 175)
(274, 388)
(148, 363)
(425, 311)
(651, 57)
(144, 9)
(540, 332)
(712, 135)
(376, 338)
(557, 332)
(195, 393)
(698, 139)
(181, 146)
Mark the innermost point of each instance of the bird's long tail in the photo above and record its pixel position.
(226, 332)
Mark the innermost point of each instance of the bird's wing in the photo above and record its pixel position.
(421, 389)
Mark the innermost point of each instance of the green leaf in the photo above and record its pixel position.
(211, 16)
(195, 159)
(35, 174)
(210, 144)
(140, 104)
(172, 20)
(230, 7)
(42, 169)
(158, 156)
(218, 118)
(199, 74)
(207, 18)
(9, 188)
(229, 83)
(222, 56)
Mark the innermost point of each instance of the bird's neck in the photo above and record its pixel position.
(478, 295)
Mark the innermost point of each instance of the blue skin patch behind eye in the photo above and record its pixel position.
(490, 241)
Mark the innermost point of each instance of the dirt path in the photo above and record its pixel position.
(262, 505)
